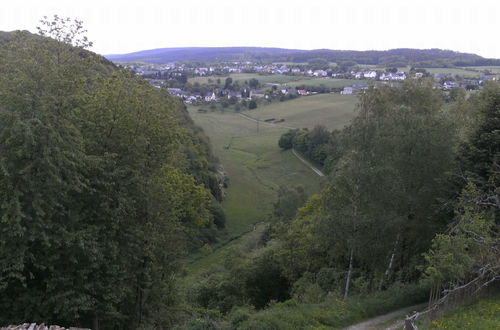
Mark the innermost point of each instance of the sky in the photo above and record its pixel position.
(124, 26)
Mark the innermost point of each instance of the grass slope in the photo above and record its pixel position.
(332, 313)
(256, 165)
(482, 314)
(330, 110)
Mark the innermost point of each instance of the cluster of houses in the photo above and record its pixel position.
(220, 94)
(444, 81)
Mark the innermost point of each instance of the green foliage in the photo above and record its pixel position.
(286, 140)
(244, 280)
(482, 314)
(333, 313)
(101, 187)
(318, 145)
(289, 201)
(468, 246)
(469, 249)
(252, 105)
(393, 161)
(479, 155)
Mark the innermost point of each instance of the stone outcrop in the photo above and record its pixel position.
(34, 326)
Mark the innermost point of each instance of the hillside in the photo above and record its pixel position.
(101, 173)
(393, 57)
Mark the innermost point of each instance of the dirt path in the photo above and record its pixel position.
(375, 323)
(317, 171)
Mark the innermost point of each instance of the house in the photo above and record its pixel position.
(354, 89)
(175, 91)
(234, 94)
(210, 96)
(346, 91)
(448, 85)
(386, 76)
(191, 99)
(370, 74)
(320, 73)
(358, 88)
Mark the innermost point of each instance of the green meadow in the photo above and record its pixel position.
(242, 77)
(330, 110)
(327, 82)
(256, 165)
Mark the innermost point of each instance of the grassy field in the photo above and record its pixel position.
(464, 72)
(328, 82)
(241, 77)
(256, 165)
(330, 110)
(482, 314)
(252, 158)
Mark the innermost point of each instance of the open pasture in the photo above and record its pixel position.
(330, 110)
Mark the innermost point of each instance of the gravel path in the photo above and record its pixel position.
(317, 171)
(372, 323)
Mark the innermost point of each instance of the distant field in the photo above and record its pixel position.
(494, 69)
(271, 78)
(458, 71)
(328, 82)
(255, 164)
(241, 77)
(330, 110)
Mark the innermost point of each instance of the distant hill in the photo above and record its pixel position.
(203, 54)
(393, 57)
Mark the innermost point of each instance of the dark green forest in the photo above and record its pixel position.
(106, 184)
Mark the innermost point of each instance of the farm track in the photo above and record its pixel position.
(315, 170)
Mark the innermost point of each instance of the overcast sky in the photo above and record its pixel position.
(124, 26)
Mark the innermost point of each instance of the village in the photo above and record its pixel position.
(220, 88)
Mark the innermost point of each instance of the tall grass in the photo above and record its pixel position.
(333, 313)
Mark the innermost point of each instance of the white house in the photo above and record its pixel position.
(370, 74)
(210, 97)
(346, 91)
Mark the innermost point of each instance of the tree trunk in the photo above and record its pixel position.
(95, 325)
(349, 275)
(391, 262)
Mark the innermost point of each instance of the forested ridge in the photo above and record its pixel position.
(105, 184)
(392, 57)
